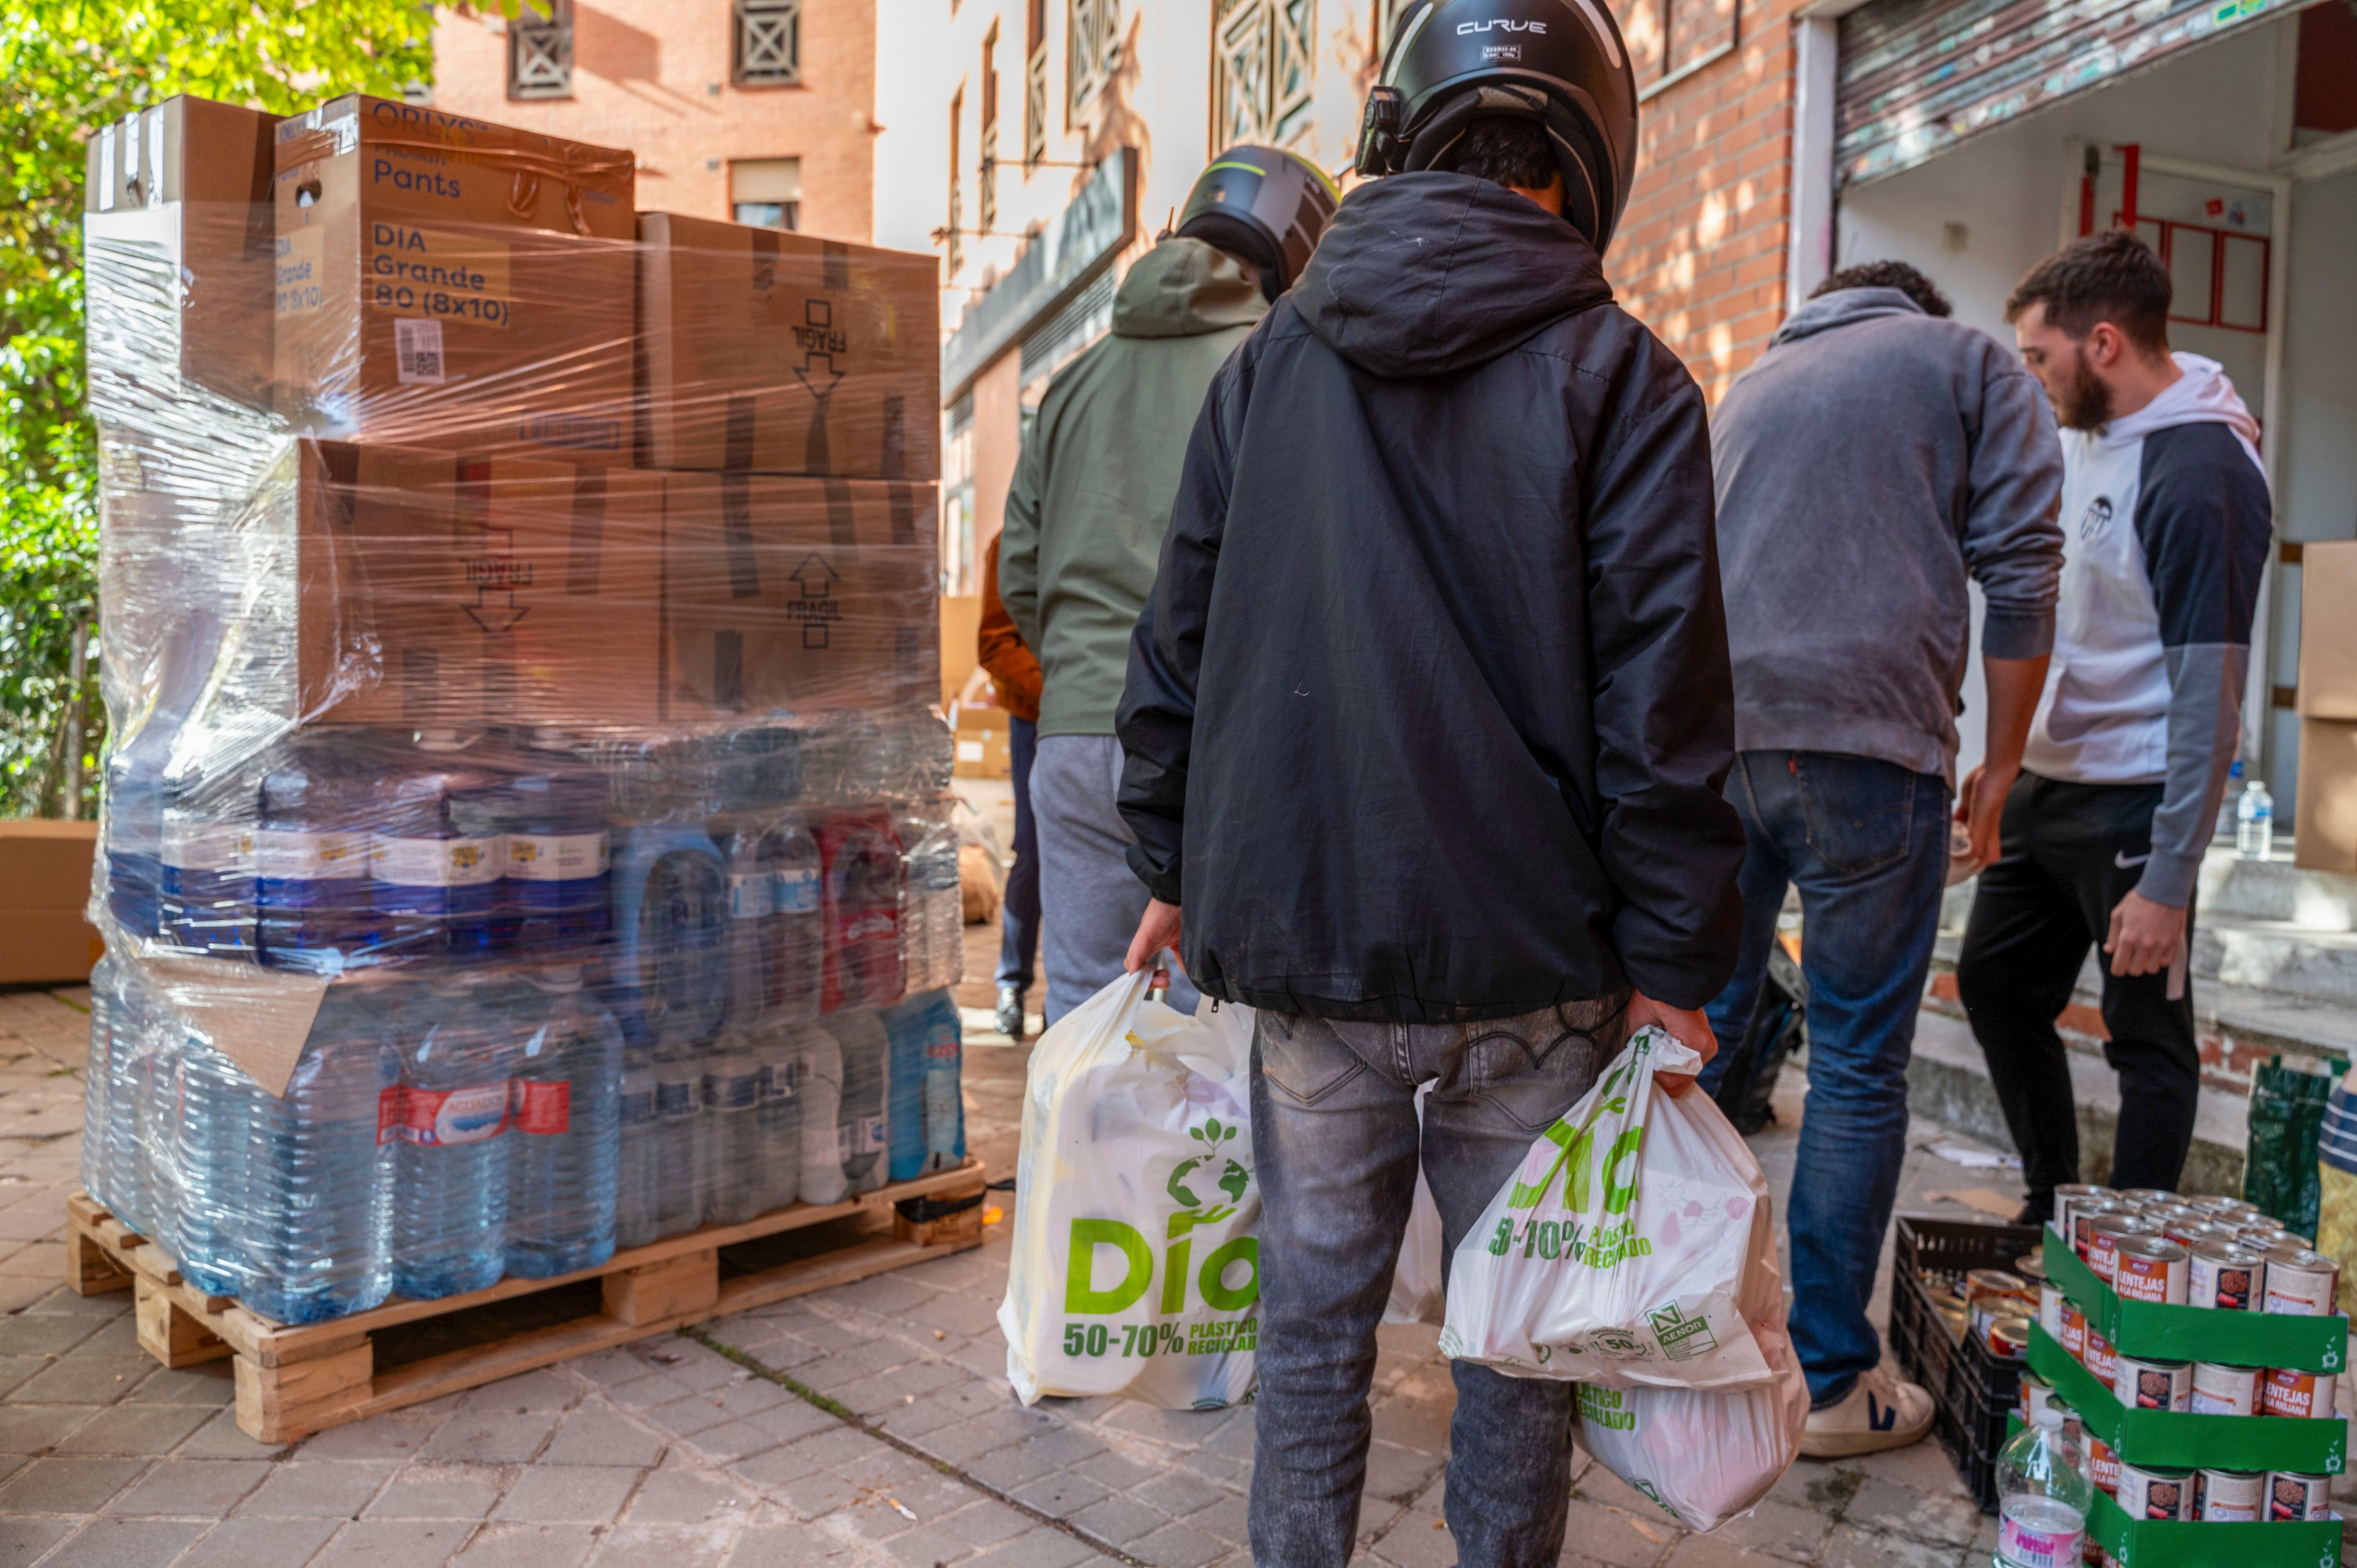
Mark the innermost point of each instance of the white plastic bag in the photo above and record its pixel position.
(1620, 1252)
(1417, 1296)
(1704, 1457)
(1136, 1266)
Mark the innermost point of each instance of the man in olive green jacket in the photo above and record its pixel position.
(1084, 523)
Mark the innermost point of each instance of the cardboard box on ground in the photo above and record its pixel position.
(983, 742)
(773, 352)
(45, 938)
(2325, 827)
(443, 282)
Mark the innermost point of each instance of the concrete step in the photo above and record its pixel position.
(2275, 890)
(1948, 1081)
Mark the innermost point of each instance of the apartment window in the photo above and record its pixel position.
(988, 190)
(957, 192)
(767, 192)
(1260, 71)
(539, 50)
(1035, 81)
(1095, 37)
(768, 43)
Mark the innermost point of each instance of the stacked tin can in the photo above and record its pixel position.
(2221, 1255)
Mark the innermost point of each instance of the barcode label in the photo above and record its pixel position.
(417, 351)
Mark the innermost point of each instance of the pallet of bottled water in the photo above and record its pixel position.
(570, 999)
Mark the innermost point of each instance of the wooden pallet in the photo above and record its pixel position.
(294, 1381)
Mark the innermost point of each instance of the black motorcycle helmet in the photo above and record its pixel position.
(1265, 206)
(1558, 62)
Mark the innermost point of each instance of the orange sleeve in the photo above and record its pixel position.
(1013, 667)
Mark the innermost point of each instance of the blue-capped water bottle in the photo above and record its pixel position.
(312, 851)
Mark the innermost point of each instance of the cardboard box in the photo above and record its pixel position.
(796, 594)
(177, 235)
(443, 590)
(2328, 646)
(984, 743)
(2324, 826)
(44, 868)
(767, 351)
(443, 282)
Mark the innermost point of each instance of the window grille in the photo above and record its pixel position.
(1096, 48)
(1035, 81)
(768, 43)
(1262, 71)
(540, 51)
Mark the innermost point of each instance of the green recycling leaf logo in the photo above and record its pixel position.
(1233, 1179)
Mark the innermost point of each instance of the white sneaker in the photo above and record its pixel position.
(1879, 1412)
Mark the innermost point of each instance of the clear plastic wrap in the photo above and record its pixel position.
(524, 797)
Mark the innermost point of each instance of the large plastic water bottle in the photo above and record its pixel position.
(670, 894)
(318, 1183)
(207, 901)
(559, 854)
(915, 909)
(138, 1069)
(450, 1171)
(777, 1048)
(749, 930)
(212, 1116)
(131, 833)
(434, 878)
(818, 1084)
(798, 919)
(98, 1079)
(927, 1120)
(565, 1147)
(679, 1114)
(312, 852)
(866, 1078)
(2254, 822)
(732, 1130)
(944, 893)
(2043, 1495)
(864, 879)
(635, 1220)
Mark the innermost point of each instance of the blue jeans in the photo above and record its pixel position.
(1866, 843)
(1336, 1144)
(1018, 929)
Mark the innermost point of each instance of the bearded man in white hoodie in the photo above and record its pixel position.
(2166, 523)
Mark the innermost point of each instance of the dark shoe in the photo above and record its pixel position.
(1009, 1017)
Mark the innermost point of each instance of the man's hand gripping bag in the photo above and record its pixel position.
(1623, 1249)
(1137, 1271)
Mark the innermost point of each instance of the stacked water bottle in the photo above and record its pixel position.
(584, 993)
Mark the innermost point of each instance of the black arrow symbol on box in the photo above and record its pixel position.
(515, 613)
(814, 585)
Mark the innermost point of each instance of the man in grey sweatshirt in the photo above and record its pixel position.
(1875, 458)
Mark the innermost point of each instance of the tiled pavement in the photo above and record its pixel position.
(868, 1425)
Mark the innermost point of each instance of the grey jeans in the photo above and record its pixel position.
(1335, 1139)
(1089, 900)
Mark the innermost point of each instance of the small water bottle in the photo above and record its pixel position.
(2043, 1495)
(635, 1219)
(2254, 822)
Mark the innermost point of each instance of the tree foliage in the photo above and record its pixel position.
(70, 66)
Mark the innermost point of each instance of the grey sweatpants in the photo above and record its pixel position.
(1089, 900)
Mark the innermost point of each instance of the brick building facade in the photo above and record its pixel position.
(725, 102)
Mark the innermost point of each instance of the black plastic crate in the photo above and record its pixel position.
(1971, 1389)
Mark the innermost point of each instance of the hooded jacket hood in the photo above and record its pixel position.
(1840, 308)
(2201, 395)
(1184, 288)
(1427, 273)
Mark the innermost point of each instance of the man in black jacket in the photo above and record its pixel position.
(1426, 721)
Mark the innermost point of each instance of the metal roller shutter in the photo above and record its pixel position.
(1919, 76)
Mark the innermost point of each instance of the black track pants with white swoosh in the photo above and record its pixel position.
(2070, 852)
